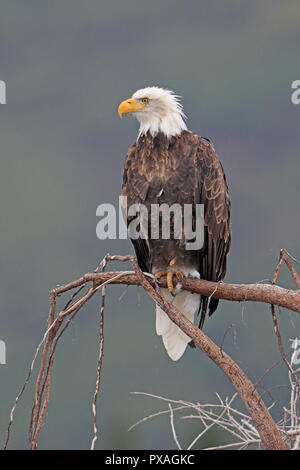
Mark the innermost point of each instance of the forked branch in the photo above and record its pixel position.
(92, 282)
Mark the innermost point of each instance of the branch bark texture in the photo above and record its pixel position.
(256, 292)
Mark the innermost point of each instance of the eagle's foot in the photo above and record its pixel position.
(180, 277)
(169, 275)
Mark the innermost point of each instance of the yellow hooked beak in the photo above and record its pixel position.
(129, 106)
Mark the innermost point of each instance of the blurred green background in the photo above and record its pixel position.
(67, 64)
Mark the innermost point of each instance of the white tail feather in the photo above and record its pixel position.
(174, 339)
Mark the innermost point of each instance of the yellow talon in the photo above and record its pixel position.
(170, 274)
(170, 281)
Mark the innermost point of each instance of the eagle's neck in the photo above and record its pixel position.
(170, 125)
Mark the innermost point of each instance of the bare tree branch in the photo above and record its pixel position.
(91, 283)
(255, 292)
(99, 369)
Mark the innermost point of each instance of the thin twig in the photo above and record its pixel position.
(173, 428)
(99, 369)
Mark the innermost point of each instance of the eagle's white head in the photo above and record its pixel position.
(157, 110)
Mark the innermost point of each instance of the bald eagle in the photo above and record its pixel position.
(169, 164)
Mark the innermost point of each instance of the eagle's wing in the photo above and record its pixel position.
(212, 191)
(136, 193)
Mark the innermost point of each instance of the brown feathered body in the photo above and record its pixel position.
(183, 169)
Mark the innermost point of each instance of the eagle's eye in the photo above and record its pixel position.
(145, 100)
